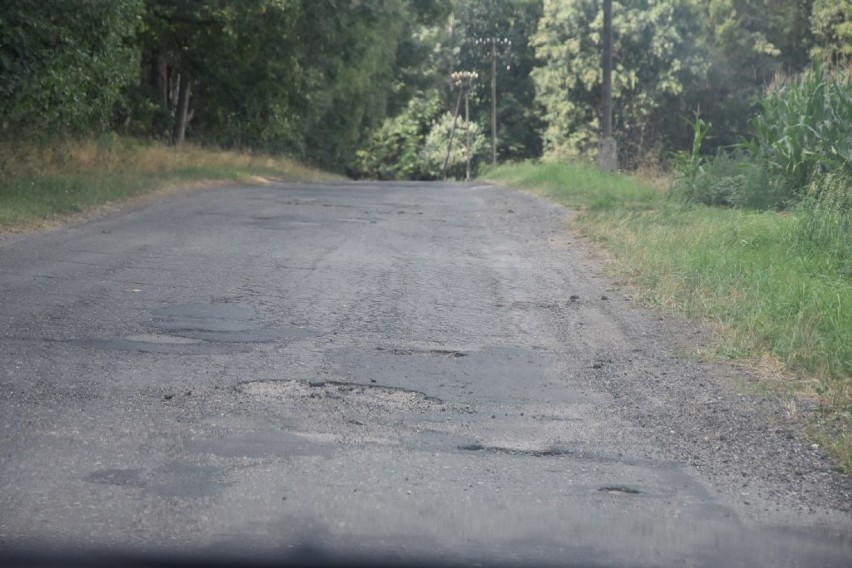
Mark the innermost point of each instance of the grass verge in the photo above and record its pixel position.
(767, 290)
(41, 182)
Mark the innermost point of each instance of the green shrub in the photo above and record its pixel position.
(413, 145)
(727, 180)
(395, 149)
(435, 148)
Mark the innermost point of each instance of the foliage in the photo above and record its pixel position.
(746, 42)
(349, 51)
(238, 57)
(760, 36)
(457, 43)
(395, 149)
(656, 61)
(311, 79)
(435, 148)
(426, 53)
(413, 145)
(513, 22)
(804, 129)
(826, 220)
(728, 179)
(802, 134)
(64, 64)
(689, 166)
(831, 25)
(316, 79)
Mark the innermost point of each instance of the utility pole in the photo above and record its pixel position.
(607, 148)
(493, 104)
(467, 132)
(452, 135)
(461, 80)
(494, 42)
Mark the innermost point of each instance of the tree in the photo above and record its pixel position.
(747, 42)
(245, 68)
(395, 150)
(831, 25)
(426, 53)
(221, 61)
(511, 22)
(308, 78)
(347, 52)
(656, 61)
(434, 151)
(64, 65)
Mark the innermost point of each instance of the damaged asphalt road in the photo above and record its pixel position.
(402, 371)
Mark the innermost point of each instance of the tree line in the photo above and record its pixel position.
(309, 78)
(362, 86)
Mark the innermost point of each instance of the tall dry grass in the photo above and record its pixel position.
(40, 180)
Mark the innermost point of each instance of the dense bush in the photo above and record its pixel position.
(435, 148)
(730, 180)
(413, 145)
(394, 150)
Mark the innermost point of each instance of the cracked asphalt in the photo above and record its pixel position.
(404, 371)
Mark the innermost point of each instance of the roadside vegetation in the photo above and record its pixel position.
(40, 182)
(755, 241)
(763, 280)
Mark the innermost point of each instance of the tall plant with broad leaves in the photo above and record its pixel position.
(688, 166)
(803, 130)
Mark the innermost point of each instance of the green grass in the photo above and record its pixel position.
(759, 278)
(41, 182)
(579, 185)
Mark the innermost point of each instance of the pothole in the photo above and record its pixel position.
(550, 452)
(619, 490)
(348, 393)
(213, 317)
(163, 339)
(150, 343)
(449, 353)
(119, 477)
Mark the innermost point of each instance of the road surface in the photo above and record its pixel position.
(402, 371)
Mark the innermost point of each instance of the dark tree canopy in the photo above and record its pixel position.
(325, 80)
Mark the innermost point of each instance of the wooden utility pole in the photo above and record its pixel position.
(452, 135)
(607, 70)
(607, 149)
(493, 102)
(467, 131)
(462, 81)
(494, 42)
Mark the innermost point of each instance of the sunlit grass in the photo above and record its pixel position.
(579, 184)
(757, 277)
(40, 181)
